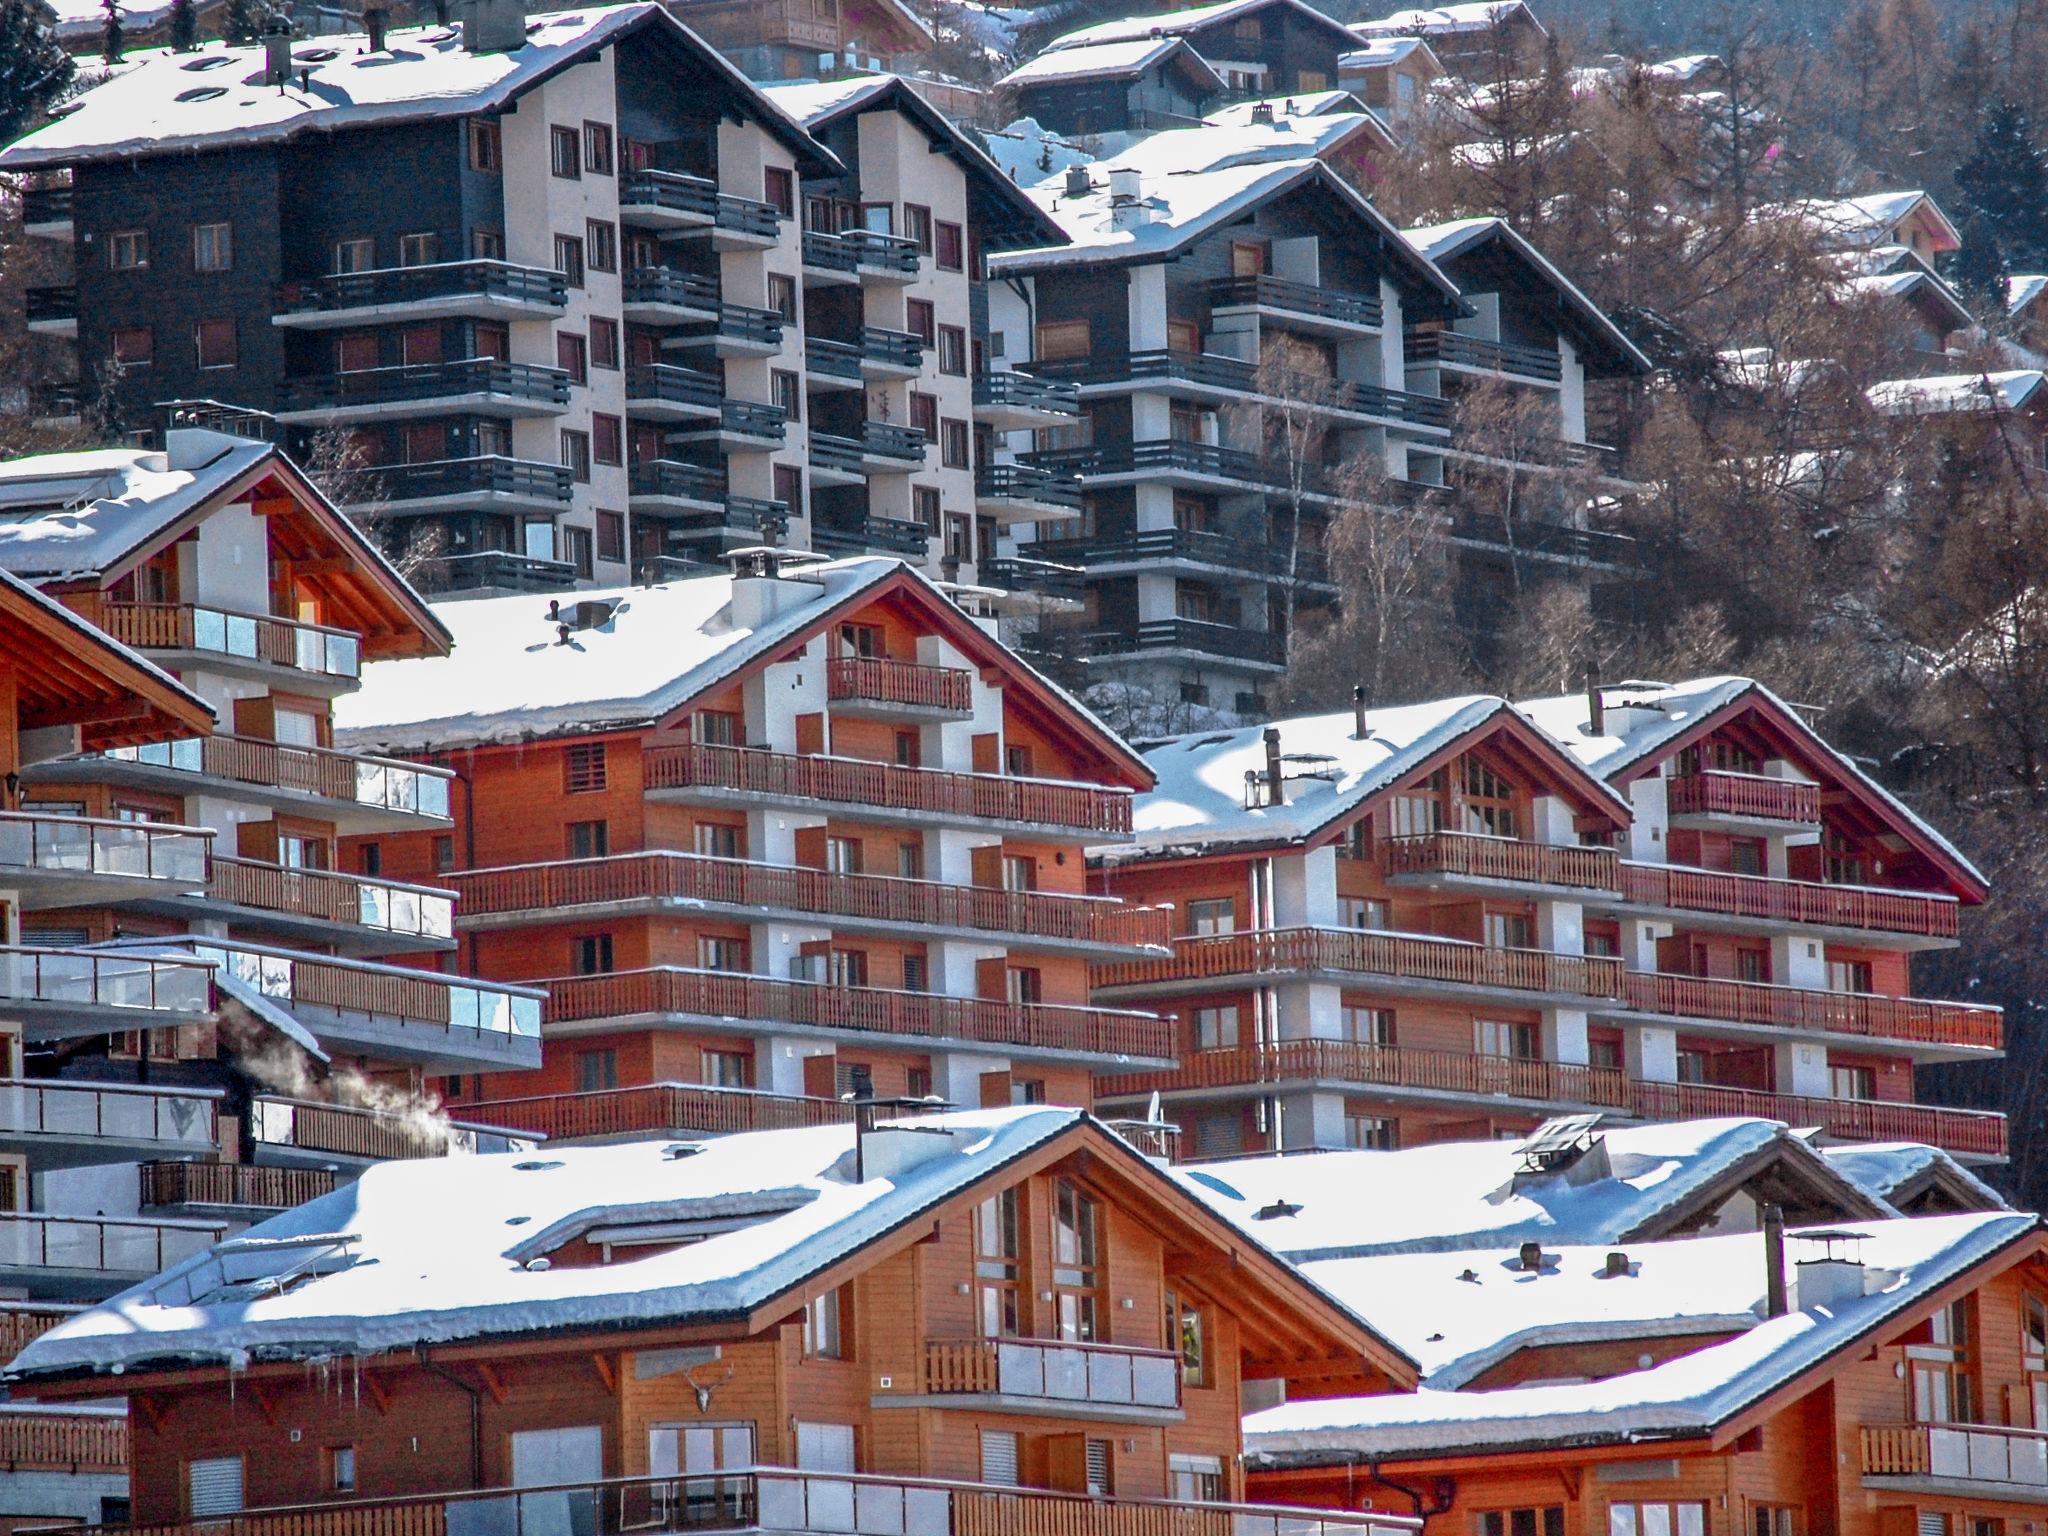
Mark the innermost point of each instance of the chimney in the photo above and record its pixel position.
(1276, 792)
(1531, 1257)
(1596, 708)
(1124, 187)
(1774, 1261)
(1359, 729)
(1262, 112)
(1617, 1265)
(277, 52)
(375, 19)
(1078, 184)
(493, 26)
(760, 590)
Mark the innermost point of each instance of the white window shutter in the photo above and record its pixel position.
(216, 1485)
(824, 1447)
(999, 1457)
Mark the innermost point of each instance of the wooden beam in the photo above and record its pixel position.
(151, 1411)
(491, 1381)
(606, 1372)
(331, 565)
(272, 506)
(378, 1395)
(262, 1400)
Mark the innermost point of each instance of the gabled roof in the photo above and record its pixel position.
(1447, 242)
(1302, 104)
(1639, 1183)
(1199, 806)
(1647, 722)
(215, 98)
(440, 1250)
(88, 518)
(1958, 394)
(663, 646)
(1449, 20)
(1199, 18)
(1125, 59)
(1160, 157)
(1908, 285)
(2022, 289)
(1385, 52)
(1874, 218)
(1906, 1176)
(819, 106)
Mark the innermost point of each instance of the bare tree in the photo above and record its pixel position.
(339, 464)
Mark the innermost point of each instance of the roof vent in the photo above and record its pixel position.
(1529, 1257)
(375, 19)
(1262, 112)
(1836, 1276)
(676, 1151)
(493, 26)
(1616, 1266)
(1360, 730)
(1276, 1210)
(277, 52)
(1078, 184)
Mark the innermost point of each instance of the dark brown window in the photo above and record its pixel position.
(565, 154)
(923, 320)
(583, 768)
(778, 190)
(950, 246)
(572, 356)
(917, 225)
(597, 149)
(486, 148)
(611, 536)
(924, 414)
(134, 346)
(215, 342)
(576, 454)
(953, 443)
(608, 441)
(589, 839)
(604, 343)
(601, 245)
(952, 350)
(569, 259)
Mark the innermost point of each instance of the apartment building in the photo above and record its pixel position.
(1474, 39)
(996, 1321)
(1257, 47)
(770, 840)
(1455, 919)
(810, 39)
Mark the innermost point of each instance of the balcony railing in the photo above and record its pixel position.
(1009, 389)
(379, 991)
(1846, 1013)
(486, 475)
(1295, 298)
(832, 359)
(544, 889)
(746, 216)
(305, 1126)
(389, 286)
(855, 781)
(1180, 456)
(1525, 537)
(1500, 858)
(24, 1321)
(667, 1107)
(50, 304)
(85, 845)
(382, 783)
(108, 978)
(668, 287)
(308, 648)
(1214, 371)
(1389, 1066)
(1672, 886)
(677, 480)
(779, 1499)
(101, 1244)
(828, 252)
(1715, 793)
(875, 680)
(1361, 952)
(383, 906)
(1195, 546)
(407, 383)
(1099, 1375)
(1976, 1453)
(55, 1441)
(1462, 351)
(862, 1010)
(1197, 635)
(893, 349)
(74, 1110)
(45, 205)
(670, 191)
(751, 418)
(667, 384)
(893, 535)
(885, 253)
(1027, 482)
(1975, 1133)
(886, 440)
(253, 1185)
(753, 327)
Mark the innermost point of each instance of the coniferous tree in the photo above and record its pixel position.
(2005, 183)
(1979, 269)
(111, 38)
(184, 25)
(33, 68)
(241, 22)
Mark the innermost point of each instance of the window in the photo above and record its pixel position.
(721, 954)
(1753, 965)
(608, 443)
(1216, 1028)
(1746, 857)
(778, 190)
(1694, 1066)
(1489, 801)
(601, 245)
(997, 1255)
(576, 550)
(597, 149)
(1020, 872)
(910, 861)
(999, 1458)
(422, 248)
(604, 342)
(569, 259)
(853, 1080)
(215, 342)
(1027, 1090)
(699, 1447)
(1195, 1479)
(128, 250)
(1545, 1521)
(1850, 976)
(924, 502)
(611, 536)
(909, 750)
(1076, 1263)
(213, 1485)
(789, 488)
(341, 1468)
(953, 350)
(921, 316)
(589, 839)
(824, 1337)
(917, 225)
(1510, 930)
(355, 255)
(1850, 1082)
(1366, 1026)
(583, 768)
(444, 854)
(370, 859)
(843, 855)
(878, 218)
(1212, 915)
(1063, 340)
(572, 356)
(565, 155)
(1773, 1520)
(1658, 1519)
(591, 955)
(782, 296)
(576, 454)
(1419, 813)
(847, 967)
(597, 1070)
(1515, 1042)
(486, 148)
(1370, 1133)
(134, 346)
(716, 727)
(786, 390)
(949, 246)
(213, 247)
(953, 444)
(714, 840)
(1187, 1329)
(924, 414)
(725, 1069)
(495, 342)
(1363, 912)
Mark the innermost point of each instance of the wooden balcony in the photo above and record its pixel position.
(356, 792)
(1084, 808)
(1386, 1066)
(1906, 1019)
(1047, 1371)
(23, 1321)
(1503, 859)
(873, 682)
(1360, 952)
(300, 1125)
(774, 1498)
(544, 892)
(1864, 908)
(690, 1108)
(218, 634)
(391, 915)
(1966, 1132)
(1975, 1453)
(254, 1187)
(53, 1440)
(765, 1002)
(1742, 797)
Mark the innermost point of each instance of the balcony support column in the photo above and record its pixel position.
(1639, 943)
(1393, 370)
(1798, 1066)
(1311, 1120)
(780, 692)
(1305, 889)
(957, 1075)
(1564, 1037)
(1798, 961)
(1650, 1053)
(779, 1061)
(1561, 927)
(1307, 1010)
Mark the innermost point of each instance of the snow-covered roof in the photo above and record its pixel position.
(1191, 19)
(1448, 20)
(1029, 152)
(1884, 1169)
(1445, 242)
(163, 100)
(1384, 52)
(1449, 1197)
(1686, 67)
(2022, 289)
(1874, 218)
(1122, 59)
(91, 640)
(1952, 394)
(1906, 1263)
(1160, 157)
(1241, 114)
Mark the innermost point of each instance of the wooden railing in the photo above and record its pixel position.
(856, 781)
(657, 875)
(371, 1133)
(774, 1498)
(415, 911)
(1500, 858)
(865, 1010)
(1977, 1453)
(1391, 1066)
(1973, 1132)
(380, 991)
(1789, 901)
(1717, 793)
(52, 1440)
(873, 680)
(249, 636)
(24, 1321)
(319, 771)
(660, 1107)
(1097, 1374)
(1362, 952)
(233, 1184)
(108, 1111)
(1846, 1013)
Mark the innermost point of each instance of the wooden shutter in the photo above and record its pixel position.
(995, 1090)
(810, 735)
(985, 866)
(810, 847)
(215, 1485)
(999, 1457)
(987, 754)
(1066, 1462)
(821, 1076)
(992, 978)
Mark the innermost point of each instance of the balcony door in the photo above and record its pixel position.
(547, 1458)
